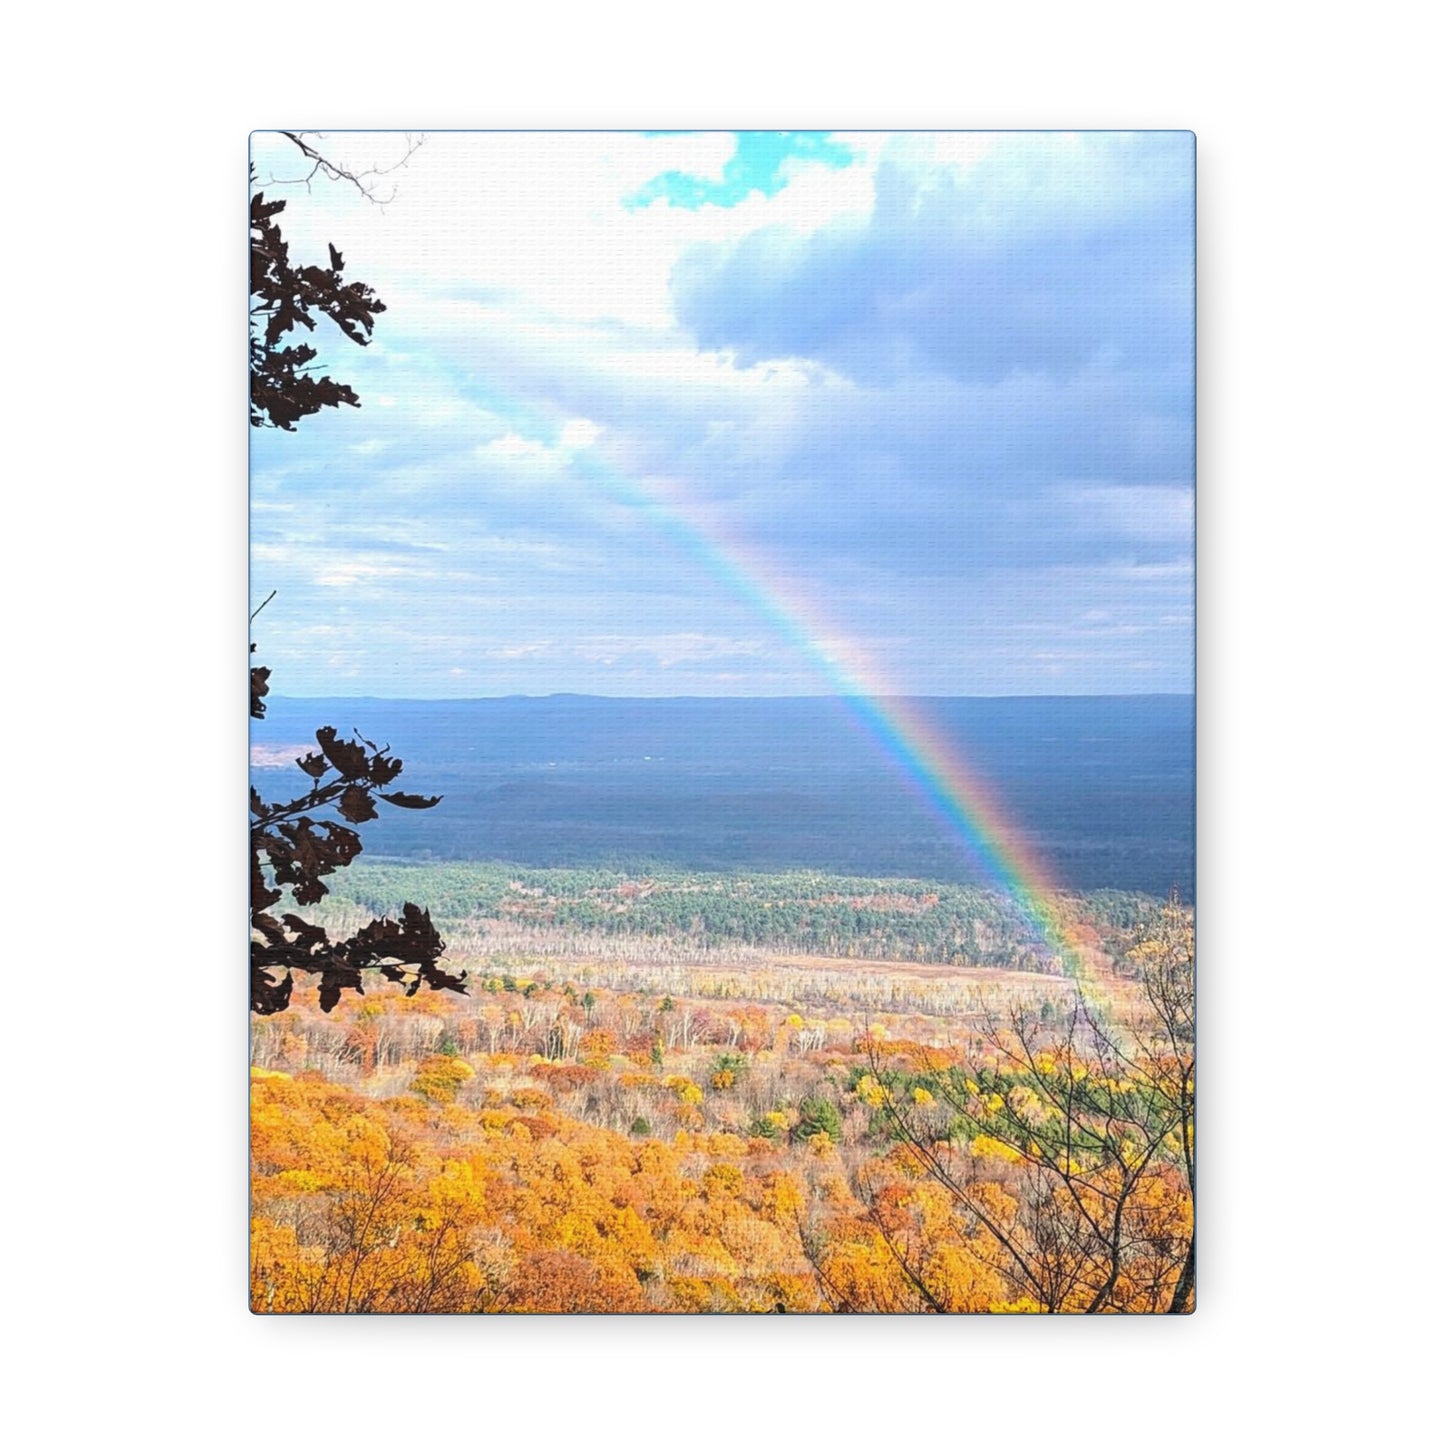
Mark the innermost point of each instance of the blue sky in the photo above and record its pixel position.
(645, 409)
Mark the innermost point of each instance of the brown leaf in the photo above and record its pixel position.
(384, 768)
(259, 688)
(269, 995)
(355, 805)
(348, 758)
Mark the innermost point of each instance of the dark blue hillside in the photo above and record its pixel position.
(1103, 786)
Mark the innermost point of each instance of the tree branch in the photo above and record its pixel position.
(365, 181)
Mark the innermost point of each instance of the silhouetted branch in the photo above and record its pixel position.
(321, 164)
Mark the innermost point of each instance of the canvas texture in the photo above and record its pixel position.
(722, 722)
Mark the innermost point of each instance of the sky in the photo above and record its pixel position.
(741, 414)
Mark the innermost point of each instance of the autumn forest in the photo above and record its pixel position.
(643, 1121)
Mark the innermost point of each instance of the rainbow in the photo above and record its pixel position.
(915, 746)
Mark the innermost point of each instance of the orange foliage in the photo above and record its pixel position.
(497, 1176)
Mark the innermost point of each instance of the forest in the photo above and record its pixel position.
(1102, 786)
(702, 913)
(660, 1117)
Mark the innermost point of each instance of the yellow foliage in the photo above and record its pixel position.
(521, 1203)
(692, 1296)
(440, 1077)
(985, 1148)
(684, 1089)
(797, 1293)
(726, 1146)
(722, 1180)
(298, 1181)
(782, 1197)
(959, 1281)
(1026, 1104)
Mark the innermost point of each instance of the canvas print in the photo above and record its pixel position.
(722, 722)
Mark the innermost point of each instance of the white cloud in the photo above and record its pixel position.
(668, 649)
(579, 434)
(534, 390)
(1156, 514)
(520, 650)
(350, 573)
(538, 217)
(513, 446)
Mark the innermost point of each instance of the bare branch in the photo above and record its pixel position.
(365, 181)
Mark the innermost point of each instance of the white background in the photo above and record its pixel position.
(125, 603)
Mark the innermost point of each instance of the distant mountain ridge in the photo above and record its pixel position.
(1102, 785)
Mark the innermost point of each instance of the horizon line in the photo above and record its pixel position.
(713, 697)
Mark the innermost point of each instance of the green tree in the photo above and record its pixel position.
(819, 1116)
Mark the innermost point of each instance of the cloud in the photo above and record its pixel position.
(513, 447)
(668, 650)
(578, 434)
(1145, 519)
(1043, 255)
(762, 161)
(537, 221)
(349, 573)
(942, 396)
